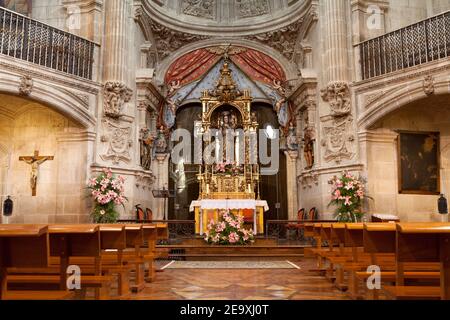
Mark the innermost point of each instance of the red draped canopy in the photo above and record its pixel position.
(193, 65)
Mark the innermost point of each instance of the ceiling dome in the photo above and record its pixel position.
(225, 16)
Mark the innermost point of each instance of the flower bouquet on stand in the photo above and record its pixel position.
(229, 230)
(107, 192)
(348, 194)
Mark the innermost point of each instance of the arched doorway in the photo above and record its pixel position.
(183, 179)
(391, 162)
(27, 127)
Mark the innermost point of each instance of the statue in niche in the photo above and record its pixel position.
(308, 147)
(254, 117)
(308, 142)
(146, 143)
(291, 140)
(161, 142)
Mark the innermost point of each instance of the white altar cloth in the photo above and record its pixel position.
(232, 204)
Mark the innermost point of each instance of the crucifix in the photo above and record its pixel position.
(35, 161)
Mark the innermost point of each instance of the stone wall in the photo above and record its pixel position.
(430, 115)
(61, 193)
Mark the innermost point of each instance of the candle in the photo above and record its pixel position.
(249, 188)
(207, 188)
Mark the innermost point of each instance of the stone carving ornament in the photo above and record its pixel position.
(252, 8)
(146, 145)
(283, 39)
(119, 142)
(339, 137)
(428, 85)
(199, 8)
(337, 94)
(116, 94)
(337, 140)
(26, 85)
(168, 40)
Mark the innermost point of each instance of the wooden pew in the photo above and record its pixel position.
(25, 246)
(380, 243)
(78, 245)
(422, 243)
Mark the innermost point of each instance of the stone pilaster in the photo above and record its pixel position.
(115, 43)
(335, 44)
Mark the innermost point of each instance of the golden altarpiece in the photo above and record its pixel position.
(231, 179)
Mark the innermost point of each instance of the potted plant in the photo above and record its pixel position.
(107, 191)
(348, 194)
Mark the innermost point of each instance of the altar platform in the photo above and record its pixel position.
(196, 249)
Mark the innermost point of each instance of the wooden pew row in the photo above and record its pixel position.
(427, 243)
(378, 242)
(105, 254)
(25, 247)
(380, 238)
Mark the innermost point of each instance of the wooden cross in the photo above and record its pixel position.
(35, 161)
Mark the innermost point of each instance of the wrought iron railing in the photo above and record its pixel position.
(422, 42)
(30, 40)
(280, 229)
(178, 229)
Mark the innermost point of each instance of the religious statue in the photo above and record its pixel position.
(146, 142)
(35, 161)
(254, 117)
(161, 142)
(291, 140)
(308, 148)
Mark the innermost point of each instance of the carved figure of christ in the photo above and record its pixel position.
(35, 161)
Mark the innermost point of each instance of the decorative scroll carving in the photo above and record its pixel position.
(252, 8)
(337, 94)
(283, 39)
(119, 142)
(116, 94)
(168, 40)
(199, 8)
(26, 85)
(428, 85)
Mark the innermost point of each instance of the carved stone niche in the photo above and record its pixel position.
(115, 95)
(119, 141)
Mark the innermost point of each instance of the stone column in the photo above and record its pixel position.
(115, 43)
(291, 168)
(336, 39)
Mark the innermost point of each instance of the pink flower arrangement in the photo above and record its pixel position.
(230, 168)
(229, 230)
(107, 192)
(347, 194)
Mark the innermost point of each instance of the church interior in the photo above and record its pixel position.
(224, 149)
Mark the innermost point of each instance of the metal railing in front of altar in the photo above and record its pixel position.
(279, 229)
(419, 43)
(178, 229)
(36, 42)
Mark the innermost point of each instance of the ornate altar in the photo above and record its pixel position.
(230, 169)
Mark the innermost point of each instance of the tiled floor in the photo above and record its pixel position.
(273, 284)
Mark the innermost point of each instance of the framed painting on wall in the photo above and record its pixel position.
(419, 162)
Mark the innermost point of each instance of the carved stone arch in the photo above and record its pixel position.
(288, 66)
(395, 99)
(58, 99)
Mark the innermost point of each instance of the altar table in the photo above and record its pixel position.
(203, 207)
